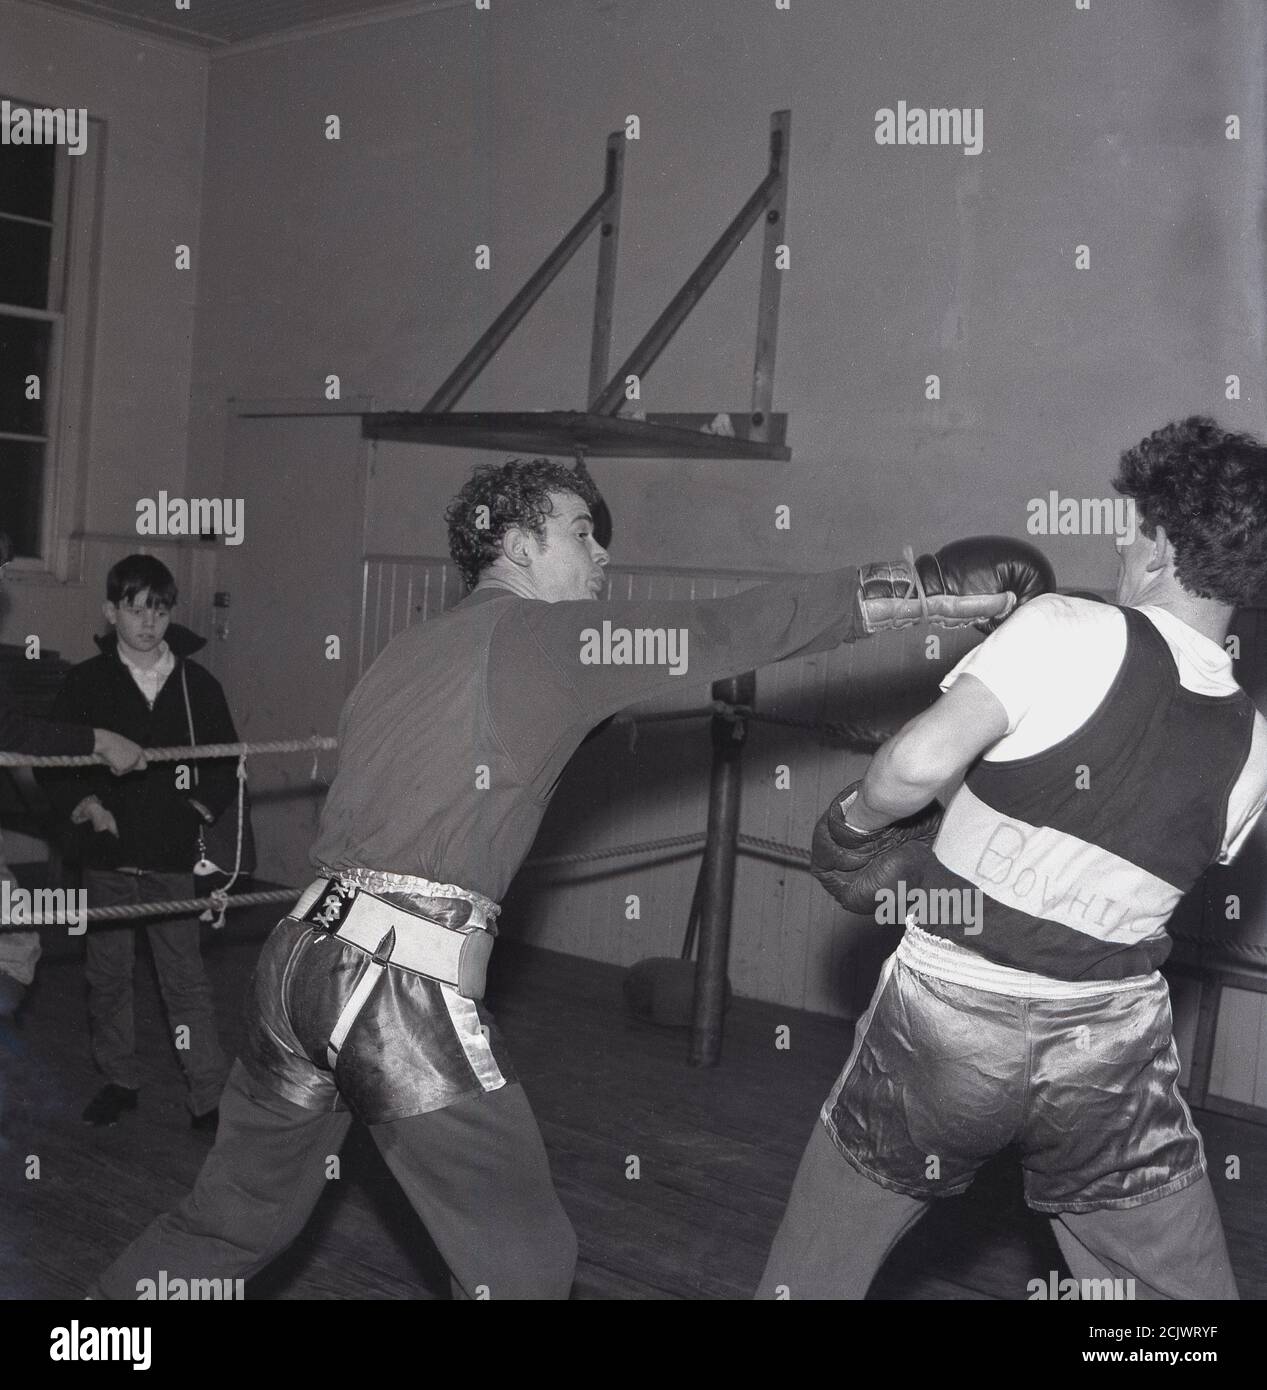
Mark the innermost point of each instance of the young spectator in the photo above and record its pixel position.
(39, 738)
(140, 833)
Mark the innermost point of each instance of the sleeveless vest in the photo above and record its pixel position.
(1082, 852)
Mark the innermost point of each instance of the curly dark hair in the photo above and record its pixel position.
(1208, 488)
(514, 493)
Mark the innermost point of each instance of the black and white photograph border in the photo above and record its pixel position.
(735, 531)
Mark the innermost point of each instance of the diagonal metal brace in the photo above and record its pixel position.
(604, 209)
(770, 190)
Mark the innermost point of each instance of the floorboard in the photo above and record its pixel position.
(716, 1149)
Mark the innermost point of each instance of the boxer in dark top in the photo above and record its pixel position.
(367, 997)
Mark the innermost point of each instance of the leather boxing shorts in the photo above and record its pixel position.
(366, 997)
(942, 1076)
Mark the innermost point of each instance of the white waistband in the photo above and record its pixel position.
(379, 881)
(944, 960)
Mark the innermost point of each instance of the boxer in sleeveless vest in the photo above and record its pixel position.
(1023, 1005)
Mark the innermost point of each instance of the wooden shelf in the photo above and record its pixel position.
(597, 436)
(600, 431)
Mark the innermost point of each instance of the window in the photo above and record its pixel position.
(33, 234)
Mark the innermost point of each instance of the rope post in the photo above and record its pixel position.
(718, 871)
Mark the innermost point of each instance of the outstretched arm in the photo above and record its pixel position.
(977, 581)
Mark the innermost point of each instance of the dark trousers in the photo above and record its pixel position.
(475, 1172)
(839, 1227)
(109, 963)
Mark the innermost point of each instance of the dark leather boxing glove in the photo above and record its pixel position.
(855, 865)
(978, 581)
(990, 564)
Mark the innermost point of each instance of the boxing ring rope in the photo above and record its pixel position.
(1252, 952)
(180, 906)
(730, 713)
(192, 752)
(212, 907)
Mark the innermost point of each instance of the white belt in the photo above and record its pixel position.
(454, 956)
(484, 911)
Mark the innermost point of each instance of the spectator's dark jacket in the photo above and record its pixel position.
(158, 823)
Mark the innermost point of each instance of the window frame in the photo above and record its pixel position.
(72, 313)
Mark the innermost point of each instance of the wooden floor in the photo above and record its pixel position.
(717, 1150)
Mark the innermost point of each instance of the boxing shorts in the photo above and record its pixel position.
(366, 997)
(943, 1075)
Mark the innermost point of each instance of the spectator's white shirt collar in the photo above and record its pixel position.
(150, 680)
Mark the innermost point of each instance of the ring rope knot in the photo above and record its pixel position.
(219, 903)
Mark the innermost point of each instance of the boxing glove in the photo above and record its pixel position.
(978, 581)
(855, 865)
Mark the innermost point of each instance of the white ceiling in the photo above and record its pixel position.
(218, 23)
